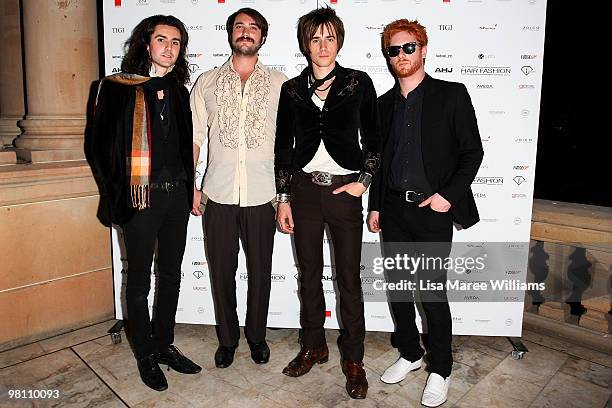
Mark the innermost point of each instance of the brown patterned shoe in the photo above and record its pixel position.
(356, 382)
(305, 359)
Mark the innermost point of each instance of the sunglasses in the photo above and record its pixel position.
(409, 48)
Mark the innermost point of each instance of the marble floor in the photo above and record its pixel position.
(85, 369)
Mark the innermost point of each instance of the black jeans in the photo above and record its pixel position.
(165, 222)
(314, 206)
(407, 226)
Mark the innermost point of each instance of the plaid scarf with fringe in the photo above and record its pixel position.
(139, 159)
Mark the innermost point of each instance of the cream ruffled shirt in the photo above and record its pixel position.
(240, 128)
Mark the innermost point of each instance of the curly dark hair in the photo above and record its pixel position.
(136, 59)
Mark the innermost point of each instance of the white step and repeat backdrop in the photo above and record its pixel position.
(494, 47)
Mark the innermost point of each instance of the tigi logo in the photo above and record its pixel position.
(219, 27)
(244, 276)
(445, 27)
(519, 180)
(526, 69)
(117, 30)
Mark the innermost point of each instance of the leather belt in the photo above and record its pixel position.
(321, 178)
(409, 195)
(166, 186)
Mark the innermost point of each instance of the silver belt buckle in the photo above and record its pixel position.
(408, 194)
(321, 178)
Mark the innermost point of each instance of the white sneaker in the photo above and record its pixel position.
(399, 370)
(436, 390)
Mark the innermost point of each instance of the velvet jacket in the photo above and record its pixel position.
(450, 146)
(112, 141)
(350, 110)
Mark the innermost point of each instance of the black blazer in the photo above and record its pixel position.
(350, 108)
(450, 144)
(112, 142)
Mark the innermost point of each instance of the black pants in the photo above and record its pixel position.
(312, 206)
(165, 221)
(255, 226)
(408, 228)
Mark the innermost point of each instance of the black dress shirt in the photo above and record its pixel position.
(407, 172)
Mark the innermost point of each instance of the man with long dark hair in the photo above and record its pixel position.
(143, 154)
(322, 170)
(234, 107)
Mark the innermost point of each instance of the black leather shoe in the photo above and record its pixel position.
(224, 357)
(151, 374)
(260, 352)
(173, 358)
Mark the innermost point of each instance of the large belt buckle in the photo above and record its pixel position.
(167, 186)
(408, 196)
(321, 178)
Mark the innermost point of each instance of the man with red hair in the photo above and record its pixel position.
(431, 154)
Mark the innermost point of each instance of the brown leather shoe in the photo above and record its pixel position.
(356, 382)
(305, 359)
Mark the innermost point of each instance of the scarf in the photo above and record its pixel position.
(139, 159)
(318, 82)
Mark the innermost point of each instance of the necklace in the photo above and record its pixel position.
(161, 113)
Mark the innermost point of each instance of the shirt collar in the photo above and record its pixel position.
(258, 65)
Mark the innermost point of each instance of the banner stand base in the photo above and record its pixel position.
(519, 348)
(115, 332)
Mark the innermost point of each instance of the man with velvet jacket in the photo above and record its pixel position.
(142, 151)
(321, 173)
(431, 154)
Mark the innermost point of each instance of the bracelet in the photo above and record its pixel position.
(365, 179)
(283, 198)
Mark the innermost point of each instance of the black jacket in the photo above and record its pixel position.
(350, 108)
(450, 145)
(112, 142)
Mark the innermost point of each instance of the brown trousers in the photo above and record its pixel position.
(312, 207)
(226, 225)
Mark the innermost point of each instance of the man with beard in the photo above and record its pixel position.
(431, 154)
(327, 151)
(234, 107)
(142, 151)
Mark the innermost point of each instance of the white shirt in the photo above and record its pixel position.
(240, 126)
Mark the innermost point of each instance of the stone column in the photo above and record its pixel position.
(11, 77)
(61, 62)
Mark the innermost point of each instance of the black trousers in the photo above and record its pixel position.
(312, 207)
(225, 226)
(425, 233)
(165, 222)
